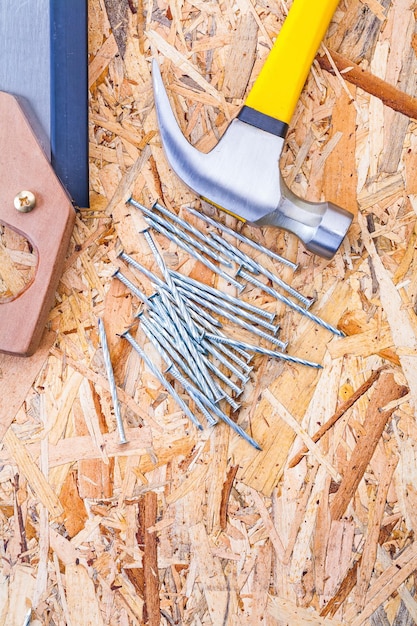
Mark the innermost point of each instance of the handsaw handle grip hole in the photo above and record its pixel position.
(18, 263)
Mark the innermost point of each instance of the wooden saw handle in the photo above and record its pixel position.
(279, 84)
(48, 227)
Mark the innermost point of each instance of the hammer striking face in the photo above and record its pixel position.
(241, 174)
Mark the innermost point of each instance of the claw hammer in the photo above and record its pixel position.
(241, 174)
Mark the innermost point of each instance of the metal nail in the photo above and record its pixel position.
(112, 383)
(160, 284)
(190, 228)
(215, 409)
(192, 372)
(228, 306)
(243, 238)
(244, 353)
(165, 349)
(154, 337)
(288, 302)
(195, 395)
(154, 325)
(192, 241)
(260, 350)
(176, 295)
(235, 405)
(191, 350)
(163, 223)
(234, 253)
(162, 379)
(202, 316)
(199, 314)
(194, 253)
(255, 267)
(230, 354)
(242, 376)
(225, 418)
(234, 357)
(148, 273)
(223, 296)
(171, 320)
(224, 379)
(135, 290)
(170, 346)
(180, 325)
(234, 318)
(214, 252)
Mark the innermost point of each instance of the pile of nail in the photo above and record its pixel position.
(184, 319)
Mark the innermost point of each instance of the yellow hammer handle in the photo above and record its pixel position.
(281, 80)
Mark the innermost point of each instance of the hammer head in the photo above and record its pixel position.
(241, 175)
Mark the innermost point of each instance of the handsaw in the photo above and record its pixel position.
(43, 148)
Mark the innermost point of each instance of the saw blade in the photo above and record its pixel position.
(25, 60)
(43, 61)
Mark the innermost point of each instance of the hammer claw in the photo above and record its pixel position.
(240, 174)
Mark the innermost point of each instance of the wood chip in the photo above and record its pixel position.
(386, 389)
(37, 481)
(14, 387)
(83, 607)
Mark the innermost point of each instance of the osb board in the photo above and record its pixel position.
(181, 527)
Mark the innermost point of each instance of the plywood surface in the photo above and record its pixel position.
(186, 527)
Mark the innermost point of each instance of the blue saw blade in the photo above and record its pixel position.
(43, 61)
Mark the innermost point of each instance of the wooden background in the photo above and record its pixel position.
(182, 527)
